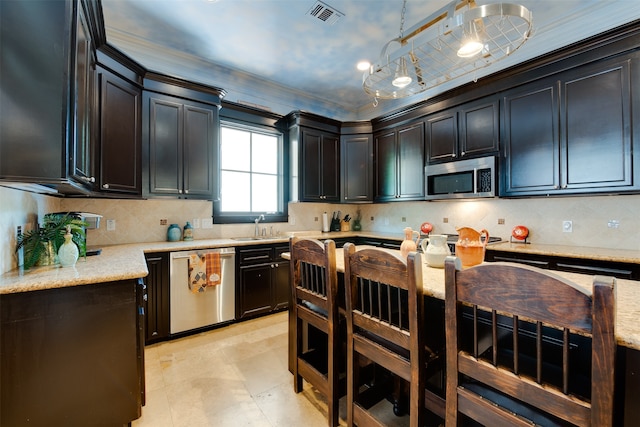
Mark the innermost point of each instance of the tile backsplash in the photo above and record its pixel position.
(140, 220)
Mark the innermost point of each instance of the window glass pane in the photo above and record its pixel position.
(264, 154)
(251, 179)
(235, 149)
(265, 193)
(235, 191)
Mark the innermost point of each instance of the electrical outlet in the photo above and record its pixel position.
(163, 221)
(404, 219)
(196, 223)
(207, 223)
(445, 220)
(613, 223)
(315, 219)
(111, 225)
(386, 221)
(567, 226)
(371, 218)
(292, 220)
(501, 221)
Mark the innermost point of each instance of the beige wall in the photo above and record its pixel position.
(139, 220)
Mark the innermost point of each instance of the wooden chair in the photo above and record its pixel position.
(384, 310)
(529, 317)
(314, 287)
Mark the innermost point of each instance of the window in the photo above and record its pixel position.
(251, 174)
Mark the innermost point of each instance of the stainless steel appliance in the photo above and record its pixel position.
(463, 179)
(216, 305)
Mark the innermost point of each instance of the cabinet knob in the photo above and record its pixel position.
(105, 186)
(179, 191)
(462, 154)
(186, 191)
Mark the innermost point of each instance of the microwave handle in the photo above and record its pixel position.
(475, 180)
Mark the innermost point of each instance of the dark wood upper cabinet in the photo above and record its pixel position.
(319, 178)
(314, 143)
(120, 168)
(357, 167)
(570, 133)
(47, 127)
(462, 132)
(180, 140)
(399, 163)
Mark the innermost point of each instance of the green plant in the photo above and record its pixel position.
(36, 242)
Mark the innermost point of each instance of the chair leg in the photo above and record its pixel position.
(297, 345)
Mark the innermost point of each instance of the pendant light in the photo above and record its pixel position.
(455, 40)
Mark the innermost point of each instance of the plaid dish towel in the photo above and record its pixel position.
(197, 273)
(214, 273)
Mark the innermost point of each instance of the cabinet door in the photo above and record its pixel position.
(357, 167)
(198, 149)
(330, 168)
(164, 145)
(531, 138)
(157, 304)
(596, 128)
(320, 166)
(386, 169)
(282, 289)
(310, 146)
(411, 162)
(120, 144)
(82, 160)
(479, 128)
(255, 290)
(442, 136)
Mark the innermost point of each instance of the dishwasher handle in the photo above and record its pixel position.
(179, 255)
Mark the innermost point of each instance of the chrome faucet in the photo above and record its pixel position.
(257, 220)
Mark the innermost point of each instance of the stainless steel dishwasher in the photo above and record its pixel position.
(217, 304)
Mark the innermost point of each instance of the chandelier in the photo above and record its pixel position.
(456, 40)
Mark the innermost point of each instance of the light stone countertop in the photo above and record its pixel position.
(121, 262)
(627, 296)
(584, 252)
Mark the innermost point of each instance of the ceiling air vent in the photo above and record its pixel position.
(325, 13)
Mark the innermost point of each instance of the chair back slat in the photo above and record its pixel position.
(526, 324)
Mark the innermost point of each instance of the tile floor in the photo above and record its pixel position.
(232, 376)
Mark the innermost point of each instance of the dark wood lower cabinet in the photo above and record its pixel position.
(72, 356)
(262, 284)
(157, 303)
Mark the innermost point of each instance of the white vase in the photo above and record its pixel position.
(68, 252)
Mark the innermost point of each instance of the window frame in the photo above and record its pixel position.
(260, 124)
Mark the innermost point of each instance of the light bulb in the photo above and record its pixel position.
(470, 48)
(401, 78)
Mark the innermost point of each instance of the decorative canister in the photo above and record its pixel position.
(187, 233)
(68, 252)
(436, 250)
(174, 233)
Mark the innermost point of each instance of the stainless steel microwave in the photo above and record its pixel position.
(464, 179)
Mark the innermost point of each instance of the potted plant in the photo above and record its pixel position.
(41, 244)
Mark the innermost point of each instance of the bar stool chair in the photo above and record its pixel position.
(385, 324)
(525, 326)
(314, 287)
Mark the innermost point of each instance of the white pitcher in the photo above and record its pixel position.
(436, 251)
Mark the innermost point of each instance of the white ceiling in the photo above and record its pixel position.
(272, 54)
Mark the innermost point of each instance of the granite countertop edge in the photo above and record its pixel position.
(127, 261)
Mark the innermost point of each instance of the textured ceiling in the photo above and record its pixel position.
(272, 54)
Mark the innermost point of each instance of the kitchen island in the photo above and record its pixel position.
(627, 330)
